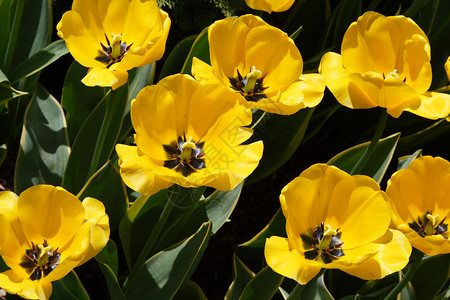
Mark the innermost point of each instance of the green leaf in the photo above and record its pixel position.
(378, 162)
(315, 290)
(7, 92)
(96, 140)
(40, 60)
(241, 277)
(69, 287)
(136, 225)
(177, 57)
(263, 285)
(164, 273)
(444, 295)
(190, 291)
(107, 186)
(431, 277)
(347, 12)
(44, 149)
(403, 162)
(253, 248)
(281, 136)
(109, 265)
(199, 49)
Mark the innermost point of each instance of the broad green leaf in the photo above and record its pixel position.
(69, 287)
(241, 277)
(253, 248)
(431, 277)
(44, 149)
(281, 136)
(7, 14)
(347, 12)
(186, 217)
(3, 152)
(138, 222)
(190, 291)
(315, 290)
(107, 186)
(7, 92)
(40, 60)
(78, 99)
(199, 49)
(445, 295)
(403, 162)
(96, 140)
(165, 272)
(263, 285)
(177, 57)
(109, 265)
(378, 162)
(415, 8)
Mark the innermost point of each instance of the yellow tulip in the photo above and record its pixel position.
(188, 134)
(421, 208)
(447, 68)
(111, 37)
(270, 5)
(384, 61)
(336, 221)
(46, 232)
(261, 64)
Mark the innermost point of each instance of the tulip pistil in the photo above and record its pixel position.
(185, 156)
(115, 50)
(429, 224)
(250, 86)
(324, 242)
(40, 260)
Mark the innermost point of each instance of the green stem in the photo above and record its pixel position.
(151, 241)
(373, 143)
(408, 276)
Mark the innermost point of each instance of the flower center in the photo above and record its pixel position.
(185, 156)
(430, 224)
(40, 260)
(393, 75)
(114, 52)
(250, 86)
(324, 242)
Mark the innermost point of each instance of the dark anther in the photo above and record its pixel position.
(40, 261)
(255, 93)
(184, 156)
(424, 228)
(108, 56)
(329, 252)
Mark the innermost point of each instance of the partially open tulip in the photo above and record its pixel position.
(419, 196)
(188, 134)
(336, 221)
(270, 5)
(111, 37)
(261, 64)
(46, 232)
(384, 61)
(447, 68)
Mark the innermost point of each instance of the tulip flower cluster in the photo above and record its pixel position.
(126, 167)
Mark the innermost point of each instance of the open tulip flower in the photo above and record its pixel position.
(336, 221)
(384, 61)
(270, 5)
(46, 232)
(419, 197)
(111, 37)
(190, 135)
(261, 64)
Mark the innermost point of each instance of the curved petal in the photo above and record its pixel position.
(25, 288)
(204, 73)
(104, 77)
(392, 256)
(447, 68)
(288, 261)
(60, 214)
(432, 106)
(82, 42)
(137, 171)
(270, 5)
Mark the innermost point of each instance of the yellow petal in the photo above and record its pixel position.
(432, 106)
(393, 251)
(51, 213)
(25, 288)
(447, 68)
(270, 5)
(104, 77)
(83, 43)
(137, 171)
(288, 261)
(204, 73)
